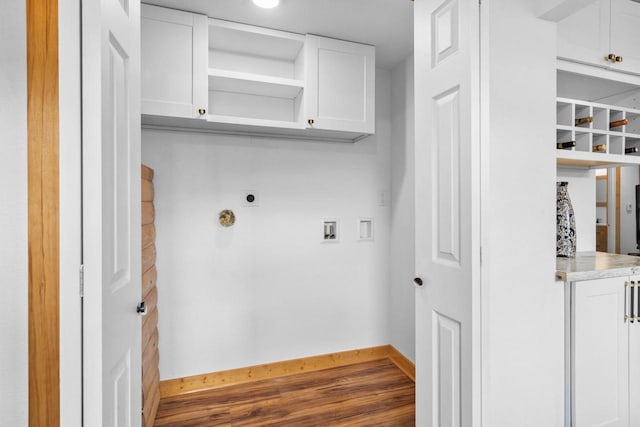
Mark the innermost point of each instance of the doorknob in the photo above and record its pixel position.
(417, 281)
(141, 309)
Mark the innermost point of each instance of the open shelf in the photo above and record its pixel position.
(235, 120)
(595, 160)
(596, 133)
(255, 76)
(254, 84)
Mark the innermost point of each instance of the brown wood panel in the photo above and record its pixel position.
(43, 211)
(148, 235)
(602, 238)
(148, 213)
(148, 257)
(149, 350)
(404, 364)
(149, 325)
(374, 393)
(151, 299)
(152, 406)
(151, 376)
(146, 172)
(149, 278)
(147, 192)
(150, 353)
(272, 370)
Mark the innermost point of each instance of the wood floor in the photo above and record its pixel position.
(367, 394)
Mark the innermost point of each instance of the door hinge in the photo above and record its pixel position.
(82, 281)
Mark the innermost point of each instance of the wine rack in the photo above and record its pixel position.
(596, 143)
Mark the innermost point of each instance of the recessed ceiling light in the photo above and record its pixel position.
(267, 4)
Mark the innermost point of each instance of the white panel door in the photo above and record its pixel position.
(634, 360)
(600, 357)
(625, 33)
(340, 85)
(111, 212)
(584, 36)
(174, 63)
(447, 172)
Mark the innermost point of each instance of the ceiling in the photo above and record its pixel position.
(387, 24)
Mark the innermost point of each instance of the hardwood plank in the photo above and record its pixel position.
(148, 257)
(149, 324)
(149, 278)
(244, 393)
(148, 235)
(146, 172)
(43, 211)
(147, 191)
(373, 393)
(148, 213)
(403, 363)
(278, 369)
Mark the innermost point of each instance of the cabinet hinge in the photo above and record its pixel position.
(82, 281)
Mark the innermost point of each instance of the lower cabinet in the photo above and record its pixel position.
(605, 352)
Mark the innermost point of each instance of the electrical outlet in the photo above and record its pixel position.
(250, 198)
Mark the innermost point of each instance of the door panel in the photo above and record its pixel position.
(174, 62)
(446, 371)
(111, 212)
(339, 85)
(625, 33)
(584, 35)
(447, 207)
(634, 362)
(600, 354)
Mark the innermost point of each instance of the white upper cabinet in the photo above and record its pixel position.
(252, 80)
(625, 34)
(603, 34)
(174, 63)
(340, 85)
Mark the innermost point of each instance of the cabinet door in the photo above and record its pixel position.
(634, 363)
(625, 34)
(600, 356)
(584, 36)
(174, 62)
(340, 85)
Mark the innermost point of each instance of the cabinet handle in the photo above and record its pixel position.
(632, 310)
(626, 301)
(418, 281)
(202, 111)
(618, 58)
(311, 121)
(631, 302)
(611, 57)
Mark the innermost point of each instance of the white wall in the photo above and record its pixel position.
(582, 191)
(402, 306)
(13, 216)
(267, 289)
(522, 306)
(628, 182)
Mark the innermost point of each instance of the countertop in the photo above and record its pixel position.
(596, 265)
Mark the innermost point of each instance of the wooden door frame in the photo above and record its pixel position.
(43, 212)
